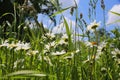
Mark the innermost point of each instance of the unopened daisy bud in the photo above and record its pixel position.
(32, 52)
(72, 10)
(103, 70)
(81, 15)
(25, 28)
(102, 4)
(118, 62)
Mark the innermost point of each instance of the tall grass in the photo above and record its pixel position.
(42, 55)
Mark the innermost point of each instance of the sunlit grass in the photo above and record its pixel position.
(43, 55)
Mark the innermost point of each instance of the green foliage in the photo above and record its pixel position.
(40, 54)
(115, 13)
(60, 11)
(68, 32)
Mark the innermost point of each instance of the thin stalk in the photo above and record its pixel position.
(76, 20)
(104, 23)
(58, 69)
(6, 60)
(15, 20)
(96, 35)
(13, 57)
(31, 60)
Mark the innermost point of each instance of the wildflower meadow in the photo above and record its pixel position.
(85, 51)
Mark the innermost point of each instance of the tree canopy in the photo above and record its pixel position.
(16, 12)
(28, 8)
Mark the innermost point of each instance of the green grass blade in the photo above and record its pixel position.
(59, 12)
(6, 14)
(68, 33)
(26, 72)
(67, 27)
(115, 13)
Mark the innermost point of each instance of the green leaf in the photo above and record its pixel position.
(38, 75)
(68, 33)
(26, 72)
(83, 35)
(115, 13)
(67, 27)
(59, 12)
(6, 14)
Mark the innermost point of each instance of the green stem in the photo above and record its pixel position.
(58, 69)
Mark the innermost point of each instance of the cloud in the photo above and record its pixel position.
(68, 3)
(60, 28)
(63, 4)
(47, 22)
(113, 17)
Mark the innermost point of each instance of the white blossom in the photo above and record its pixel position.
(63, 40)
(116, 53)
(100, 49)
(58, 53)
(22, 46)
(12, 45)
(50, 35)
(92, 26)
(65, 36)
(90, 44)
(32, 52)
(4, 43)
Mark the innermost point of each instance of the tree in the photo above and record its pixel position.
(40, 6)
(22, 10)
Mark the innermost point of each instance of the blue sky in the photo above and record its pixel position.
(83, 6)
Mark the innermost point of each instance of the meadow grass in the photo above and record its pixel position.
(43, 55)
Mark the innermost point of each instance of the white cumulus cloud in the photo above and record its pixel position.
(63, 4)
(60, 28)
(68, 3)
(112, 18)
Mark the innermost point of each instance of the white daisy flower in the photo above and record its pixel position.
(22, 46)
(58, 53)
(32, 52)
(4, 43)
(12, 45)
(100, 49)
(50, 35)
(63, 40)
(116, 53)
(47, 47)
(65, 36)
(90, 44)
(92, 26)
(50, 45)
